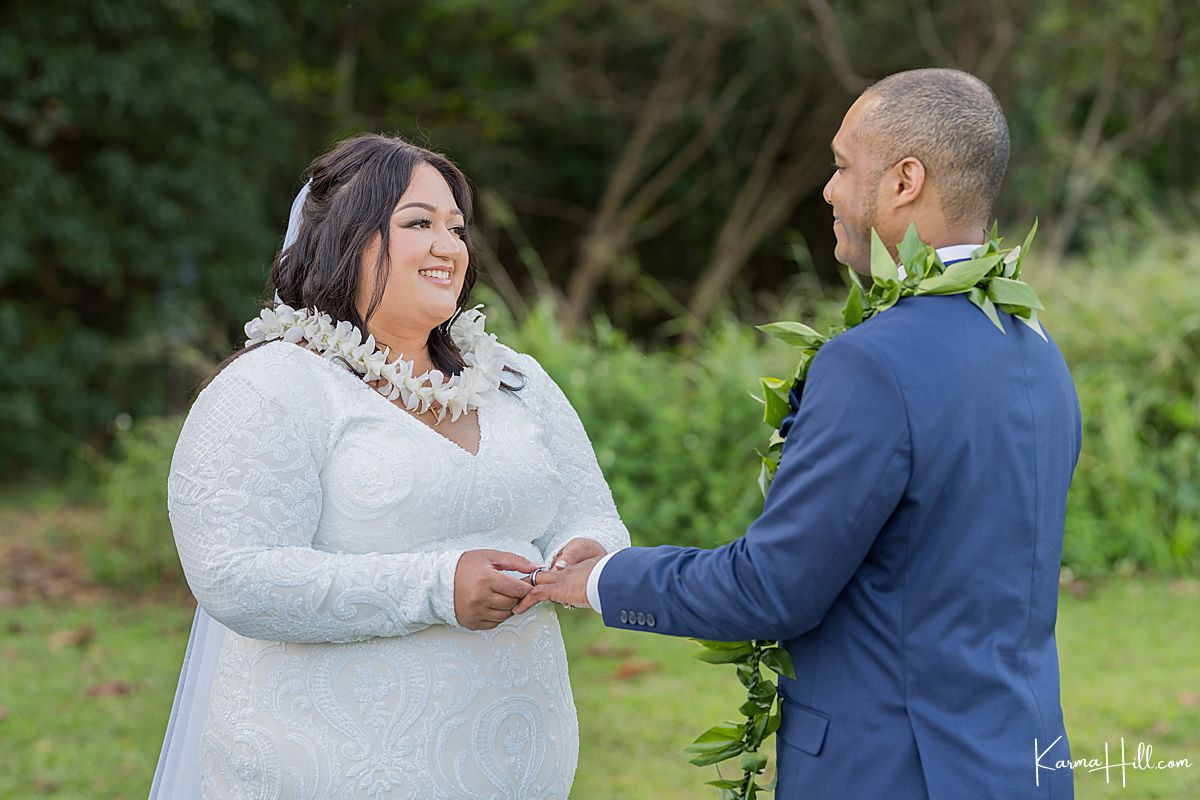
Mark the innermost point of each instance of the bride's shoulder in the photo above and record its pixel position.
(523, 363)
(282, 359)
(272, 383)
(272, 387)
(535, 380)
(279, 370)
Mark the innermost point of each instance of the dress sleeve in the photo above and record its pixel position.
(586, 508)
(244, 498)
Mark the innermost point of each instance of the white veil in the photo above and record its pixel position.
(177, 776)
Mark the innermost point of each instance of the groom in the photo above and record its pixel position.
(908, 550)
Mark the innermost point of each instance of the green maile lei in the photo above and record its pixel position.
(991, 279)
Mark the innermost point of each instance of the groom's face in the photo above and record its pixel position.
(853, 191)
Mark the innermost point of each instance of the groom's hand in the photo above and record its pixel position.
(483, 595)
(567, 586)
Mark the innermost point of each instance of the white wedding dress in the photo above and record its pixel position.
(322, 526)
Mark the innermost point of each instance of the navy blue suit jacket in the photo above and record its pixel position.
(907, 556)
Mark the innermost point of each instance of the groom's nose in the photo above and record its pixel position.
(827, 191)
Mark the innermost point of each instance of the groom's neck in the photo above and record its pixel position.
(939, 232)
(959, 234)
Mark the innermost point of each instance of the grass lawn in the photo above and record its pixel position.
(85, 692)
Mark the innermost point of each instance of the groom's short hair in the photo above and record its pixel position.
(954, 124)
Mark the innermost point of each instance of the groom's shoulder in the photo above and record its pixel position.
(907, 336)
(899, 331)
(882, 332)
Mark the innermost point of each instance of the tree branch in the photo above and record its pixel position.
(834, 45)
(927, 34)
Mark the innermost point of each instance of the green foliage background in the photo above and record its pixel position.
(676, 431)
(649, 180)
(150, 152)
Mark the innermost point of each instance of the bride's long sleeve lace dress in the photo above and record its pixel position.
(323, 525)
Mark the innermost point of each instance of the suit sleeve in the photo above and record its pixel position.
(843, 469)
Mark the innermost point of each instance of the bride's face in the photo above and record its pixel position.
(427, 260)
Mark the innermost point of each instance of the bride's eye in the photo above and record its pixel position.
(460, 231)
(419, 223)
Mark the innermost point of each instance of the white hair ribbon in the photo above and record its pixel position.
(295, 219)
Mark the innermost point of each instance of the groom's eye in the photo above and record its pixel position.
(836, 166)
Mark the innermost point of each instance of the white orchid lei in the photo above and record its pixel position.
(455, 395)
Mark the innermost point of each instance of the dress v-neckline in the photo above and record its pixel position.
(404, 412)
(432, 430)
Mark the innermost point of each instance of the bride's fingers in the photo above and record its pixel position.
(510, 587)
(547, 578)
(499, 611)
(540, 592)
(511, 561)
(502, 602)
(576, 551)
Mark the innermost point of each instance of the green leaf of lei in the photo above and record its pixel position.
(882, 265)
(959, 277)
(794, 333)
(911, 249)
(1005, 291)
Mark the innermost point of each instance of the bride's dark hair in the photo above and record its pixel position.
(353, 189)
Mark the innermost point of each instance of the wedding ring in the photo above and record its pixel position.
(533, 576)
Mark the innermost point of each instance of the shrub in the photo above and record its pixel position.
(138, 549)
(1129, 327)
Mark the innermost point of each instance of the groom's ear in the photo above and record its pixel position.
(905, 181)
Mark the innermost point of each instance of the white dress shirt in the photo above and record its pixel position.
(954, 252)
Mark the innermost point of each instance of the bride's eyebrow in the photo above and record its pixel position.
(429, 208)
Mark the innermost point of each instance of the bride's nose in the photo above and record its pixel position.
(445, 243)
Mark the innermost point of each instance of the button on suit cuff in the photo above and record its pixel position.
(593, 585)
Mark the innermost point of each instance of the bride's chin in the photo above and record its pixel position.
(435, 321)
(443, 313)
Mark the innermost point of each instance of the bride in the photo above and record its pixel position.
(351, 496)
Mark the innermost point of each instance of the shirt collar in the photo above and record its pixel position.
(953, 252)
(956, 252)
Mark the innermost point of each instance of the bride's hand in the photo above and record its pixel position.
(483, 595)
(575, 551)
